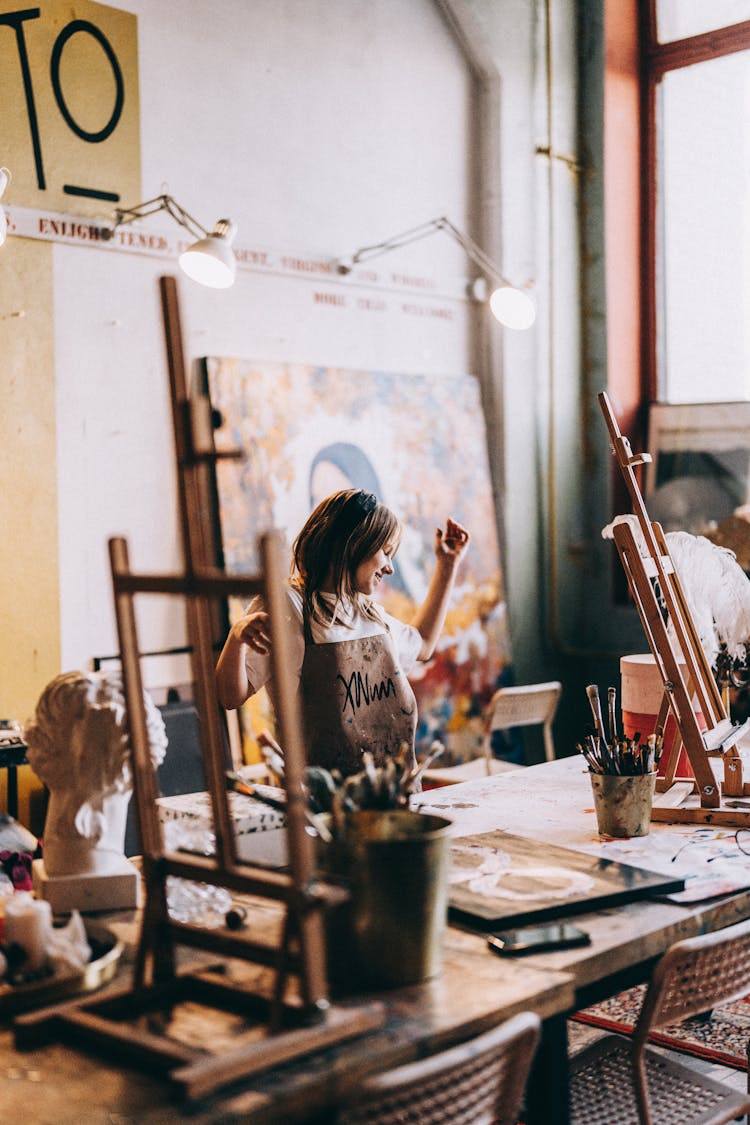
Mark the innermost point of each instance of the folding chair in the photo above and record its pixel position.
(480, 1082)
(618, 1080)
(522, 706)
(525, 706)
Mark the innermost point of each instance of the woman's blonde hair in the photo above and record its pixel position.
(344, 529)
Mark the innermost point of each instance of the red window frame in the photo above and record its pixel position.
(635, 63)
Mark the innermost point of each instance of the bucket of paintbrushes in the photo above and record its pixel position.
(623, 772)
(390, 931)
(394, 863)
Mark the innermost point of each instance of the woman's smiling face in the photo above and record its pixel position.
(372, 570)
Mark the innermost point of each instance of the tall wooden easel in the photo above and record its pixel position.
(660, 601)
(292, 1024)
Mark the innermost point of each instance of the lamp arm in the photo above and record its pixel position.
(414, 234)
(126, 215)
(473, 251)
(180, 215)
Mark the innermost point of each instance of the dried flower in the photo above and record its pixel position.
(17, 866)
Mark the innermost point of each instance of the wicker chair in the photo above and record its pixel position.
(619, 1080)
(480, 1082)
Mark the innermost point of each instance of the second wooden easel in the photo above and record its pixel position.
(689, 686)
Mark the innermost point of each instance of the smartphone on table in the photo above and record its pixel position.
(537, 939)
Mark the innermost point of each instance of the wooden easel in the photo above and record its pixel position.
(293, 1025)
(660, 601)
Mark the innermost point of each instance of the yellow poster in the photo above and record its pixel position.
(70, 121)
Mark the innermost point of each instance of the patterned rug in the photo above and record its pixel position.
(722, 1036)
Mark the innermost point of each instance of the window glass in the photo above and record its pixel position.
(704, 232)
(677, 19)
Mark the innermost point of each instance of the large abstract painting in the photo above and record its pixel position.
(419, 443)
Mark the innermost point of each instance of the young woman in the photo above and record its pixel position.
(352, 658)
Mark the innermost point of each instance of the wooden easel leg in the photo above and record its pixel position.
(673, 754)
(155, 958)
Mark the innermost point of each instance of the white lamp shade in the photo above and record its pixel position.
(512, 307)
(211, 261)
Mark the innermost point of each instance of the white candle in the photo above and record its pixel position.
(28, 923)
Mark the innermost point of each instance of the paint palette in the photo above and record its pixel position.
(499, 878)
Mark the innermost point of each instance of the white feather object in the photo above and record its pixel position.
(717, 591)
(715, 586)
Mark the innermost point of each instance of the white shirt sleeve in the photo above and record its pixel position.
(407, 640)
(257, 665)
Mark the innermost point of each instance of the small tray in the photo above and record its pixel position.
(106, 950)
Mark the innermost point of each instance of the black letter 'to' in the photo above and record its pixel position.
(62, 39)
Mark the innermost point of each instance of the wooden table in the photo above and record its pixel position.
(476, 990)
(57, 1083)
(553, 803)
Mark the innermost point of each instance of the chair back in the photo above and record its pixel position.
(695, 975)
(479, 1082)
(613, 1079)
(526, 705)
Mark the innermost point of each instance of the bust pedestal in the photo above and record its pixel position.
(86, 873)
(118, 889)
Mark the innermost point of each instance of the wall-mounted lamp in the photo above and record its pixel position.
(510, 305)
(209, 260)
(4, 181)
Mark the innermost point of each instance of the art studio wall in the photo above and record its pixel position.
(318, 126)
(314, 137)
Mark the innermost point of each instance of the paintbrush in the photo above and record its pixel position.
(592, 691)
(436, 750)
(611, 707)
(591, 759)
(261, 793)
(268, 794)
(272, 753)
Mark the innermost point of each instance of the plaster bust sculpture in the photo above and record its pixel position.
(79, 746)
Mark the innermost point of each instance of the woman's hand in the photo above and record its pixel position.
(253, 630)
(451, 544)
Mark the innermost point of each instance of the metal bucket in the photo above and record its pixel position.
(623, 803)
(390, 932)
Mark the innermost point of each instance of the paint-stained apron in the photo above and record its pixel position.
(355, 697)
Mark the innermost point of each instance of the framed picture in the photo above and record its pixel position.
(700, 470)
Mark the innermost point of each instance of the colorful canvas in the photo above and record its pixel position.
(419, 443)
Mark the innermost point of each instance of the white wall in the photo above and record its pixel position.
(318, 126)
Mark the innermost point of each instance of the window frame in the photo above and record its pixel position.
(656, 60)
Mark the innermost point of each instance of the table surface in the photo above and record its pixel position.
(551, 802)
